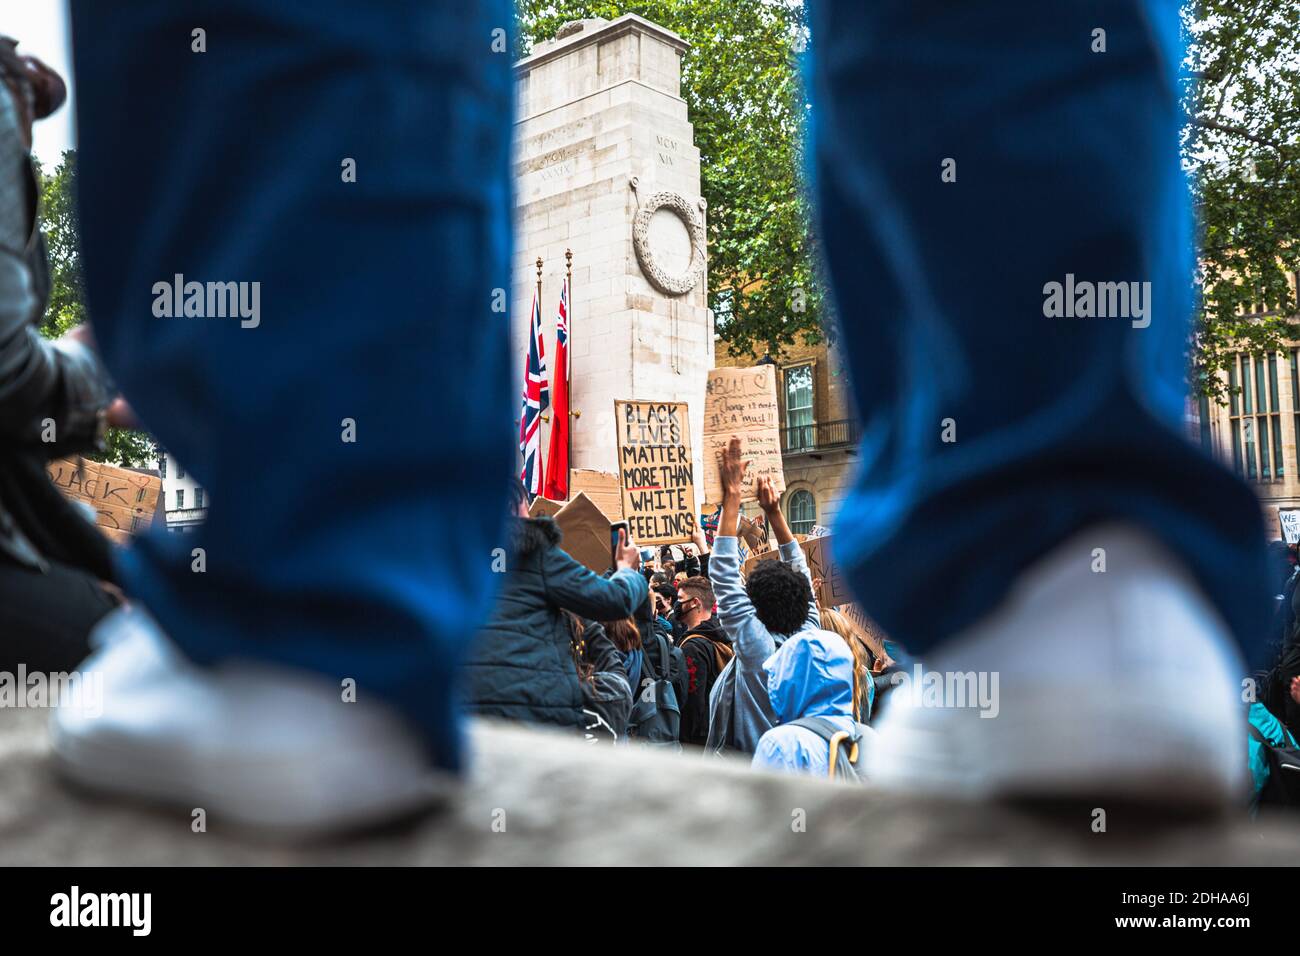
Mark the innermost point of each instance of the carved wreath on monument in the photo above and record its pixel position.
(689, 214)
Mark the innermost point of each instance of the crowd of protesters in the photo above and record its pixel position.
(689, 654)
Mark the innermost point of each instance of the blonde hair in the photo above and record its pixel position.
(863, 646)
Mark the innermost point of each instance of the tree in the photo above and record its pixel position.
(741, 84)
(66, 308)
(1242, 147)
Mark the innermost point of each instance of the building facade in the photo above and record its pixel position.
(1256, 432)
(184, 500)
(819, 433)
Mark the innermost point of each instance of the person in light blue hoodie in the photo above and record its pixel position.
(757, 615)
(810, 675)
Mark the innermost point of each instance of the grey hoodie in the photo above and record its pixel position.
(739, 709)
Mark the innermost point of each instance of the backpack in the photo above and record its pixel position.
(722, 654)
(846, 761)
(1283, 787)
(656, 717)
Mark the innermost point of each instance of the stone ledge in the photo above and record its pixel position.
(567, 803)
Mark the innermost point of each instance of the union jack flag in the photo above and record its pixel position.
(536, 399)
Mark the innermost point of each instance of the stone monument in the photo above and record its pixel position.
(605, 166)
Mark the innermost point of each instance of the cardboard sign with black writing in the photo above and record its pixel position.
(833, 590)
(742, 402)
(655, 470)
(1290, 521)
(867, 628)
(124, 500)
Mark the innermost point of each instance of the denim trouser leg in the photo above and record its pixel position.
(1066, 162)
(366, 559)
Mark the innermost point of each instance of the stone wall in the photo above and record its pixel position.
(546, 798)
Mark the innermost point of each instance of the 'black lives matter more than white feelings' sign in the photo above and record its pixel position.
(655, 471)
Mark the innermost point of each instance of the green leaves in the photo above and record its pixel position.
(1242, 147)
(66, 308)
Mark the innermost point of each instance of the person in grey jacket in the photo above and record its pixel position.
(524, 664)
(757, 615)
(54, 401)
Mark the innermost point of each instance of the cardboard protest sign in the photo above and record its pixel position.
(867, 628)
(1290, 525)
(821, 562)
(752, 561)
(601, 487)
(124, 501)
(742, 402)
(544, 508)
(586, 533)
(754, 534)
(655, 470)
(834, 589)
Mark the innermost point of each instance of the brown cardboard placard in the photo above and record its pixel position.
(601, 487)
(124, 500)
(742, 402)
(656, 470)
(544, 508)
(586, 533)
(834, 588)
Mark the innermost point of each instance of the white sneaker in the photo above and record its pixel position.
(1123, 683)
(259, 746)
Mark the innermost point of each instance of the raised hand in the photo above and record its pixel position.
(628, 555)
(732, 469)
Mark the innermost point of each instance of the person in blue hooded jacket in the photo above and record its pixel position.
(810, 675)
(757, 614)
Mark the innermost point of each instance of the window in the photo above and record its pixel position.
(1203, 420)
(198, 497)
(162, 466)
(801, 512)
(799, 427)
(180, 472)
(1254, 413)
(180, 497)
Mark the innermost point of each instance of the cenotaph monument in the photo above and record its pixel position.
(606, 167)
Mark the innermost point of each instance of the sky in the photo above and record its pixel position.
(41, 29)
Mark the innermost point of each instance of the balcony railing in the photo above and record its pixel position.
(820, 436)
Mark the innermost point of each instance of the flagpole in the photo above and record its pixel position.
(538, 300)
(568, 372)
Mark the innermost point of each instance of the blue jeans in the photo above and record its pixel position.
(1066, 163)
(370, 558)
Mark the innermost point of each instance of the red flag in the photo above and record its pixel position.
(556, 486)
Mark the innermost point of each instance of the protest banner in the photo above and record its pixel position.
(601, 487)
(867, 628)
(754, 534)
(544, 508)
(1290, 525)
(586, 533)
(655, 470)
(124, 501)
(833, 589)
(821, 562)
(742, 402)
